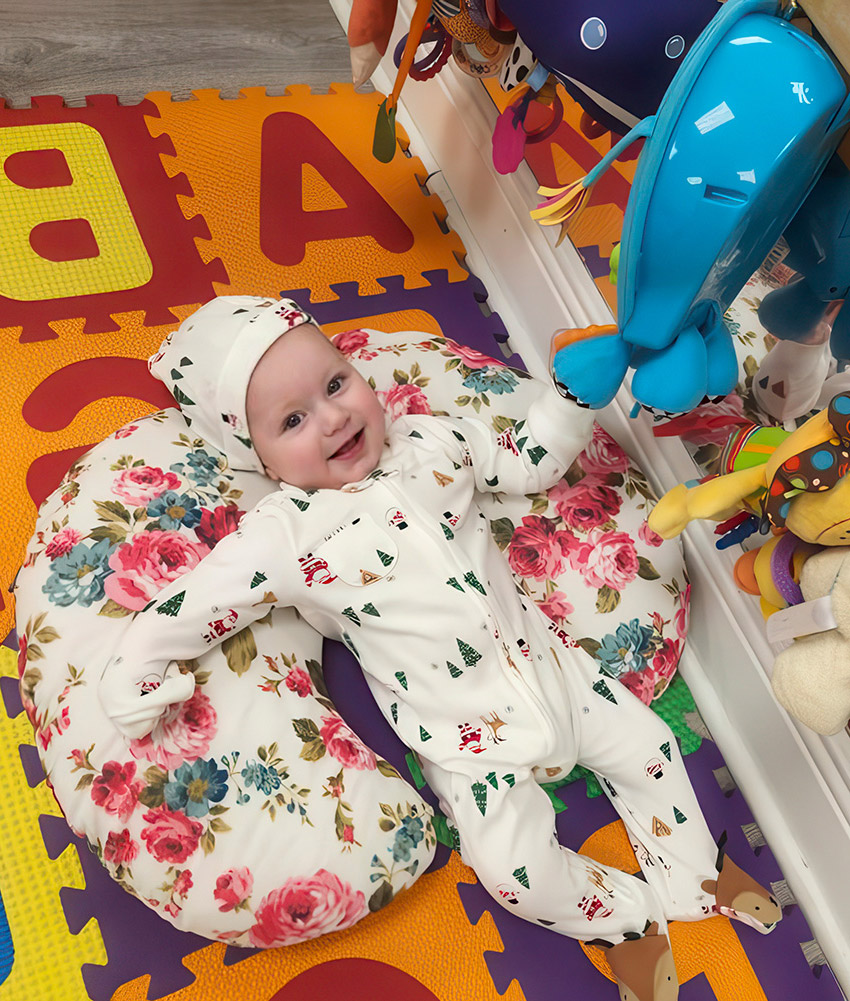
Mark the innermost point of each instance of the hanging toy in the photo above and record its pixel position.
(384, 142)
(511, 135)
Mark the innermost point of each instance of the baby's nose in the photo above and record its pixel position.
(335, 417)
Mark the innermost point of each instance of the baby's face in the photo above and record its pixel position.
(314, 420)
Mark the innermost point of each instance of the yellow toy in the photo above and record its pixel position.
(797, 485)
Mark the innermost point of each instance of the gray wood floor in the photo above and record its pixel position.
(131, 47)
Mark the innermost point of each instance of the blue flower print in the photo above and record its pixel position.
(266, 779)
(491, 380)
(173, 510)
(202, 467)
(626, 650)
(407, 837)
(195, 786)
(78, 576)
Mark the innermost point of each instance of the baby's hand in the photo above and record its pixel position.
(135, 707)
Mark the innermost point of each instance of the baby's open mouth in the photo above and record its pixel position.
(350, 446)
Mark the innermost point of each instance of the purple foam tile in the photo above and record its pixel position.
(11, 641)
(33, 770)
(456, 306)
(543, 963)
(11, 696)
(124, 923)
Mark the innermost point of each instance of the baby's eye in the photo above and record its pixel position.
(291, 422)
(335, 385)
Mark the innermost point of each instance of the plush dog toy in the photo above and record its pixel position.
(797, 485)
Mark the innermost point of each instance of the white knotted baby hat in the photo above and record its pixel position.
(207, 362)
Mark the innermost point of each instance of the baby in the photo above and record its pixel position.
(376, 538)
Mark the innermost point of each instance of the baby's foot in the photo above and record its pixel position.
(739, 896)
(644, 967)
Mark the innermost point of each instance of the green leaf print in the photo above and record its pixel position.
(240, 650)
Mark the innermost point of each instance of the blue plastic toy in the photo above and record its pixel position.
(748, 124)
(819, 241)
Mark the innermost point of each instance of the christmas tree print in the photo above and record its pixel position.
(510, 779)
(401, 677)
(680, 817)
(665, 750)
(244, 440)
(302, 505)
(473, 581)
(414, 434)
(479, 791)
(370, 609)
(602, 689)
(348, 642)
(492, 483)
(394, 712)
(470, 655)
(458, 435)
(491, 778)
(521, 876)
(172, 606)
(452, 582)
(385, 558)
(537, 453)
(351, 614)
(258, 579)
(449, 534)
(181, 397)
(423, 734)
(454, 671)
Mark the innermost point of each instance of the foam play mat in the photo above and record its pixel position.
(117, 222)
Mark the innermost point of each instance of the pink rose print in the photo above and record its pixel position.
(470, 357)
(146, 564)
(556, 606)
(343, 744)
(62, 543)
(666, 659)
(402, 399)
(586, 505)
(645, 534)
(22, 655)
(126, 432)
(172, 836)
(606, 559)
(603, 454)
(233, 888)
(350, 342)
(120, 848)
(640, 683)
(141, 484)
(215, 525)
(298, 681)
(116, 789)
(183, 735)
(538, 549)
(183, 883)
(682, 614)
(305, 907)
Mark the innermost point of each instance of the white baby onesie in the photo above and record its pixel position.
(401, 567)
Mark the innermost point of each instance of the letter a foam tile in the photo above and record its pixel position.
(308, 205)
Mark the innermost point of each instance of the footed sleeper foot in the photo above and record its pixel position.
(644, 968)
(740, 897)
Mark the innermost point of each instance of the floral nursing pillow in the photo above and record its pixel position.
(253, 813)
(188, 818)
(582, 550)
